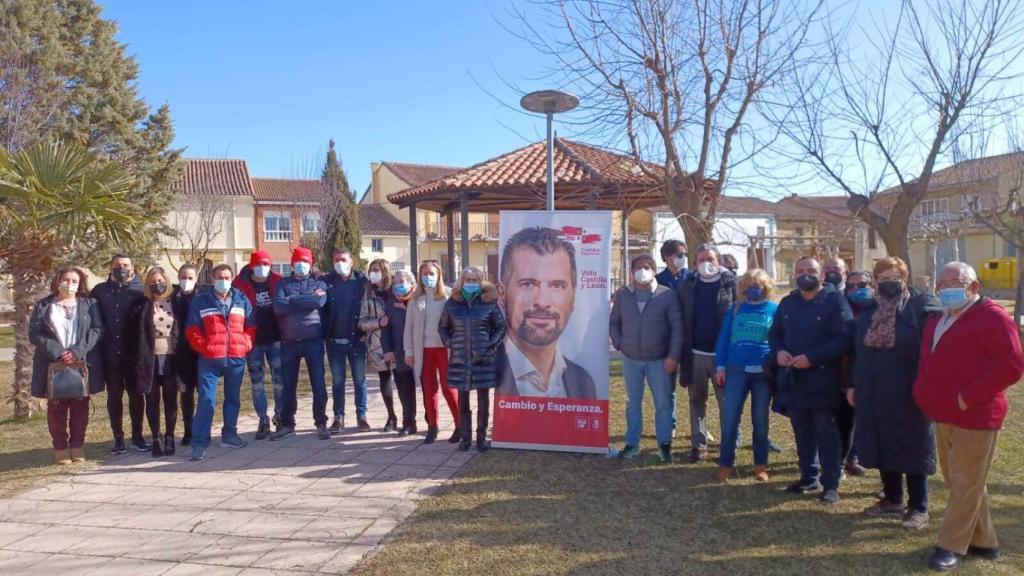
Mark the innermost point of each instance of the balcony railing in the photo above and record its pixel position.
(277, 235)
(477, 231)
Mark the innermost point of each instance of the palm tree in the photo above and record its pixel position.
(57, 201)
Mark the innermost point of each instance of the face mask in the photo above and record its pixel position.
(833, 278)
(68, 287)
(754, 294)
(301, 268)
(643, 276)
(430, 281)
(159, 288)
(808, 282)
(680, 262)
(221, 285)
(860, 295)
(402, 289)
(953, 298)
(707, 269)
(890, 290)
(261, 271)
(374, 277)
(122, 275)
(471, 288)
(186, 284)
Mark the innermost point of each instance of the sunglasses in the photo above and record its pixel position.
(859, 285)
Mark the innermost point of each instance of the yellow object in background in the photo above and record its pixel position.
(998, 273)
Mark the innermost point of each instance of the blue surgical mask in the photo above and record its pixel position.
(402, 289)
(860, 295)
(429, 281)
(754, 294)
(261, 271)
(471, 288)
(221, 286)
(301, 268)
(953, 298)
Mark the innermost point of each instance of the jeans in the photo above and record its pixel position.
(272, 352)
(634, 372)
(817, 441)
(291, 354)
(210, 372)
(917, 489)
(355, 354)
(704, 370)
(739, 383)
(67, 421)
(483, 414)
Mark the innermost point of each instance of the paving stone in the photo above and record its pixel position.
(251, 500)
(75, 565)
(337, 530)
(279, 526)
(14, 562)
(50, 539)
(133, 566)
(235, 551)
(11, 532)
(187, 569)
(345, 560)
(113, 541)
(299, 555)
(171, 546)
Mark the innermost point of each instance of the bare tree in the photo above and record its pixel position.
(864, 120)
(677, 80)
(197, 221)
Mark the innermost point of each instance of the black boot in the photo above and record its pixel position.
(483, 414)
(391, 425)
(186, 438)
(456, 436)
(157, 446)
(431, 435)
(168, 444)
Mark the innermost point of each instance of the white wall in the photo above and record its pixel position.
(395, 249)
(732, 235)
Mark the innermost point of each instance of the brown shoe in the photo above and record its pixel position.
(62, 457)
(761, 473)
(914, 520)
(724, 474)
(78, 455)
(884, 508)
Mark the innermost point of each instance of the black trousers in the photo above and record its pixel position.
(387, 391)
(164, 388)
(120, 380)
(483, 414)
(845, 420)
(405, 381)
(917, 489)
(188, 409)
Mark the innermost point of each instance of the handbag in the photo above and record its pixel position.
(67, 381)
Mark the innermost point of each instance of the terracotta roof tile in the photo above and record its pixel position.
(285, 190)
(375, 220)
(745, 205)
(971, 171)
(417, 174)
(216, 176)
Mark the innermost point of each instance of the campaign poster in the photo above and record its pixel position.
(554, 270)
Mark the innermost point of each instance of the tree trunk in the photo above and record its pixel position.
(931, 254)
(896, 242)
(26, 286)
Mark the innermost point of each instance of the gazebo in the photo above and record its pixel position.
(586, 178)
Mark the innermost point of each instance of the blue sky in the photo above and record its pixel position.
(271, 82)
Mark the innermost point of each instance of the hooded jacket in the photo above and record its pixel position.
(472, 331)
(267, 331)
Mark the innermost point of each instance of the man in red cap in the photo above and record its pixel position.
(258, 283)
(298, 299)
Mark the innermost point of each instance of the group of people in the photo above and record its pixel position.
(870, 371)
(164, 345)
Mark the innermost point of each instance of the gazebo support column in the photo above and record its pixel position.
(450, 234)
(414, 235)
(464, 212)
(625, 247)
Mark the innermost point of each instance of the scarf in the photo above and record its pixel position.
(882, 332)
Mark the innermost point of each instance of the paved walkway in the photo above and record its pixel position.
(297, 506)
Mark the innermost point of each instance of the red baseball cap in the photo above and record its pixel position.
(301, 254)
(259, 258)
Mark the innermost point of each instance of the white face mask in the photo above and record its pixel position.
(707, 269)
(187, 284)
(261, 271)
(680, 263)
(374, 277)
(643, 276)
(70, 287)
(343, 268)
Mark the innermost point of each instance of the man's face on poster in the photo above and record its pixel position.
(539, 297)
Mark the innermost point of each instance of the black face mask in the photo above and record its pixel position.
(158, 289)
(834, 278)
(890, 290)
(808, 282)
(122, 275)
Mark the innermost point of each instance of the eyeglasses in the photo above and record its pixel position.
(859, 285)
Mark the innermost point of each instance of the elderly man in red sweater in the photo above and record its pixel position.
(969, 356)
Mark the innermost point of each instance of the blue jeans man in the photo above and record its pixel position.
(272, 353)
(211, 370)
(738, 385)
(352, 354)
(312, 351)
(818, 447)
(634, 372)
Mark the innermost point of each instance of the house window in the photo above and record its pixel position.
(310, 222)
(377, 244)
(396, 266)
(872, 239)
(934, 208)
(282, 268)
(970, 202)
(760, 231)
(277, 226)
(799, 235)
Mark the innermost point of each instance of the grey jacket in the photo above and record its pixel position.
(654, 334)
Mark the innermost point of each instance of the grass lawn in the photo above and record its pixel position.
(6, 336)
(520, 512)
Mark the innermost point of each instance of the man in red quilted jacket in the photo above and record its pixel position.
(221, 329)
(969, 356)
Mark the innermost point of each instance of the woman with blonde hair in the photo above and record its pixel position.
(426, 352)
(472, 327)
(65, 329)
(740, 353)
(157, 326)
(372, 320)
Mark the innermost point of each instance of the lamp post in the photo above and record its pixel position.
(549, 103)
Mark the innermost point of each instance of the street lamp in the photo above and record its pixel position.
(550, 102)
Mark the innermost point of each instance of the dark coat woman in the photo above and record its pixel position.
(48, 349)
(893, 435)
(472, 327)
(393, 345)
(186, 361)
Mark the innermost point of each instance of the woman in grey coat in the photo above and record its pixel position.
(66, 327)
